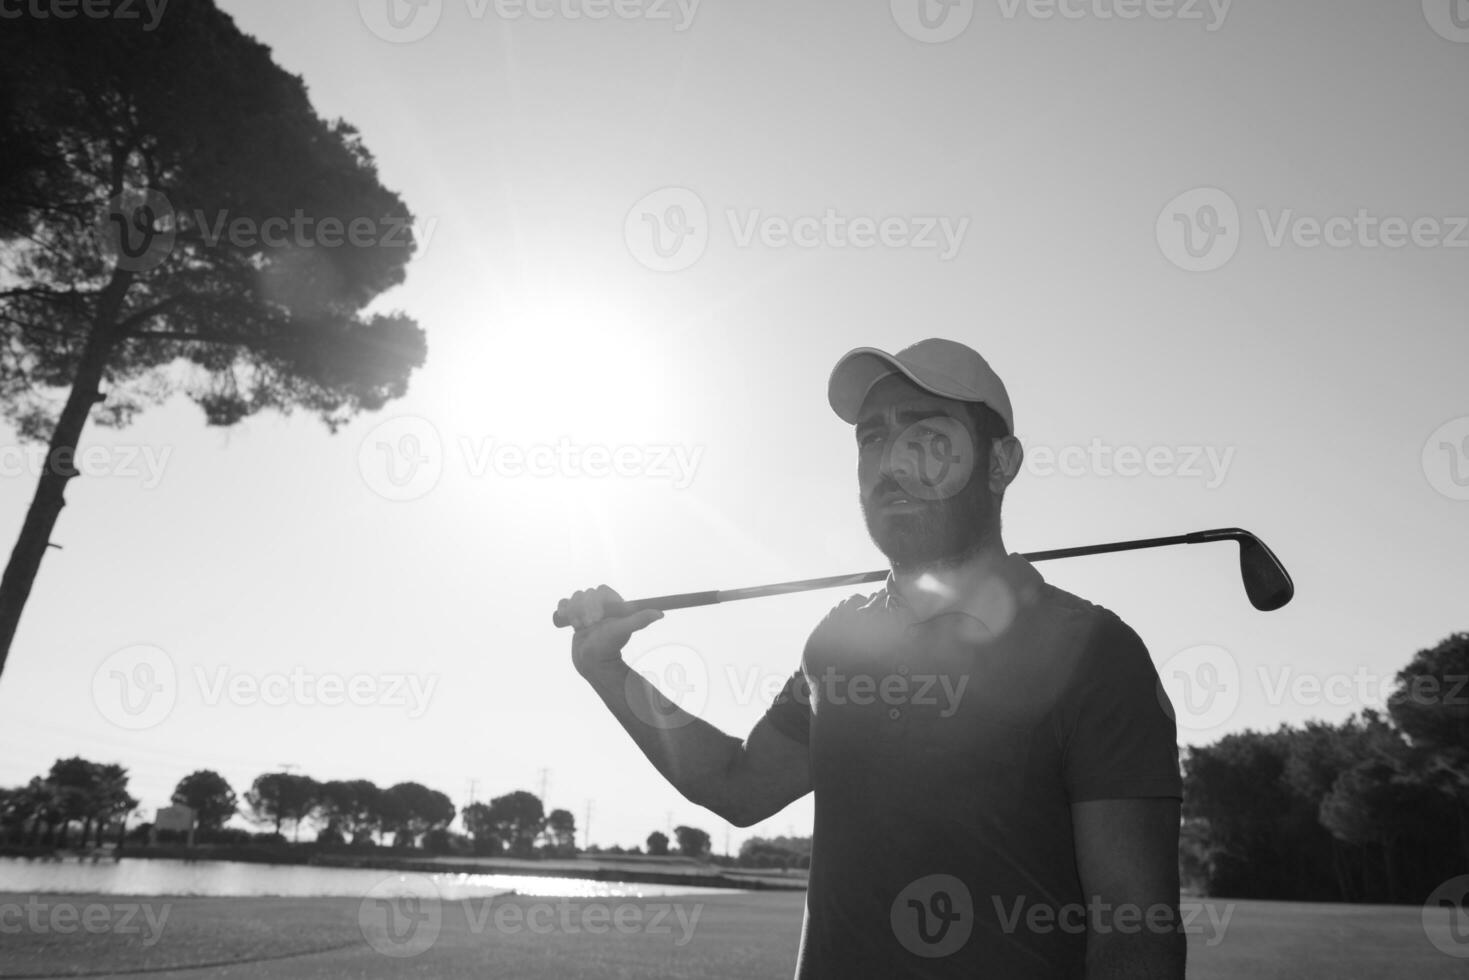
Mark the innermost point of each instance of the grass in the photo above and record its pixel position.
(734, 936)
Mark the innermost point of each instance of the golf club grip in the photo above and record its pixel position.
(682, 601)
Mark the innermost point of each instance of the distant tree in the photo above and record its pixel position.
(32, 808)
(775, 852)
(87, 792)
(518, 819)
(561, 833)
(350, 808)
(416, 810)
(1237, 787)
(123, 278)
(1430, 703)
(692, 842)
(658, 843)
(479, 823)
(112, 799)
(283, 797)
(209, 795)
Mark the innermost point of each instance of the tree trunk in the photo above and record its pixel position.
(35, 533)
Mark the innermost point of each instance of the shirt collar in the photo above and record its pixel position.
(992, 597)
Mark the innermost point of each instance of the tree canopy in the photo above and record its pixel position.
(175, 217)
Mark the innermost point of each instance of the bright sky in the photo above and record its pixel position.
(1053, 150)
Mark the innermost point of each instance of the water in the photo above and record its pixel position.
(162, 876)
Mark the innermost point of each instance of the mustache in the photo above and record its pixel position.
(885, 489)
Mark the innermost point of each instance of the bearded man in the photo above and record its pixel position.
(994, 764)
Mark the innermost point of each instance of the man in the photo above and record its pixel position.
(994, 762)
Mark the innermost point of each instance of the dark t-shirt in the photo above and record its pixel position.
(945, 756)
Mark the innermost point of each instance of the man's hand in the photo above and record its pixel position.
(599, 637)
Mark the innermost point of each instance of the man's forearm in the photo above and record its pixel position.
(693, 755)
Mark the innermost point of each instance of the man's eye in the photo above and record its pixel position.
(868, 439)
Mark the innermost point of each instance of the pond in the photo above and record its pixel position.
(164, 876)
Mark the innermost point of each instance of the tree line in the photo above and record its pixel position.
(78, 794)
(1374, 809)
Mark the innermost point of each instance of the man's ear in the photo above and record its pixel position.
(1006, 455)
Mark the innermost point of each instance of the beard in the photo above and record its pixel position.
(941, 532)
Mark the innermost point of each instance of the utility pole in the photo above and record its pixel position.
(545, 777)
(473, 785)
(586, 830)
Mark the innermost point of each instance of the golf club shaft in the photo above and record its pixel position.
(686, 600)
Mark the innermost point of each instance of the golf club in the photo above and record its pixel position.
(1266, 581)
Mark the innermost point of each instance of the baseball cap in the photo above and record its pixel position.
(942, 367)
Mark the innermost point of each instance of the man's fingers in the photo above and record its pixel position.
(588, 607)
(647, 617)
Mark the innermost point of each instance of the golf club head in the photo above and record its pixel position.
(1267, 583)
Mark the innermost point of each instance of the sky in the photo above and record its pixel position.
(1217, 253)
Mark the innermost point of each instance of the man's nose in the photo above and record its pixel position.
(898, 462)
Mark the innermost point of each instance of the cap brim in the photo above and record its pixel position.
(856, 373)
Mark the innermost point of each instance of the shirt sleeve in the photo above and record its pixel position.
(1121, 740)
(790, 712)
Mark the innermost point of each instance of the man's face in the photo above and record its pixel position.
(922, 472)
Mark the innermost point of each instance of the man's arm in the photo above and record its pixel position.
(742, 782)
(1127, 854)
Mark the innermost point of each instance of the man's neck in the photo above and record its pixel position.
(929, 589)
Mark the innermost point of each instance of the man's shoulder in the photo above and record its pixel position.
(1083, 625)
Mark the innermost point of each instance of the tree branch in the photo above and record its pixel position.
(202, 338)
